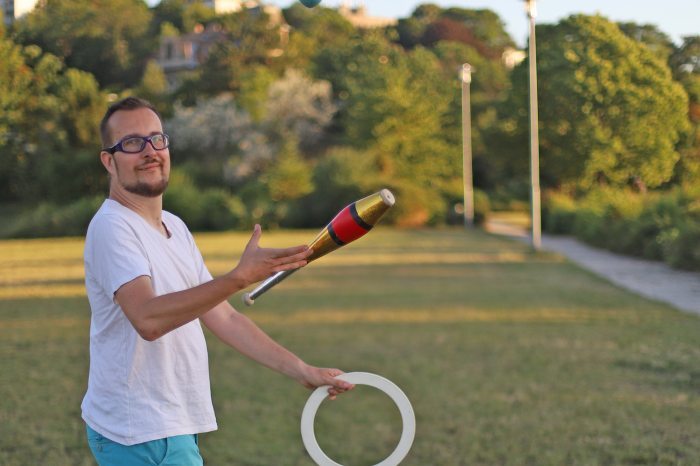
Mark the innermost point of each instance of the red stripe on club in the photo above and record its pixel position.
(346, 228)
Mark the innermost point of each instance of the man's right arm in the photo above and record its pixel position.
(153, 316)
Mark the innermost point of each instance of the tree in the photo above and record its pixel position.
(311, 30)
(485, 24)
(196, 13)
(658, 42)
(686, 58)
(610, 111)
(206, 135)
(428, 24)
(82, 106)
(449, 30)
(326, 26)
(48, 115)
(685, 64)
(154, 87)
(108, 38)
(250, 40)
(169, 11)
(300, 107)
(489, 86)
(393, 108)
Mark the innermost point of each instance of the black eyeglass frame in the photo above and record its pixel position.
(144, 140)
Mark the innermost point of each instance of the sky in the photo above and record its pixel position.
(676, 18)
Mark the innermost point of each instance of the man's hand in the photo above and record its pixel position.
(258, 263)
(314, 377)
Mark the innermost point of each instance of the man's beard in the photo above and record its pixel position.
(147, 190)
(143, 189)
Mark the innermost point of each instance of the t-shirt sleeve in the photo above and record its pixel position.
(118, 256)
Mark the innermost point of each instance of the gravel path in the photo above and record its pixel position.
(650, 279)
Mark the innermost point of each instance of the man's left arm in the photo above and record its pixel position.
(242, 334)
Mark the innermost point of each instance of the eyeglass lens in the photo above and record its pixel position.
(137, 144)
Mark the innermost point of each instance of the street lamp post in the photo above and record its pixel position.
(534, 140)
(465, 75)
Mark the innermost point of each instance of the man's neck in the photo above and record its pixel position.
(149, 208)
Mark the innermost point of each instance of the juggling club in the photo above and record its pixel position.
(351, 223)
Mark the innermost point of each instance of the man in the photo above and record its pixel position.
(148, 391)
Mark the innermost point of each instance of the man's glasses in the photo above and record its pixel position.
(135, 144)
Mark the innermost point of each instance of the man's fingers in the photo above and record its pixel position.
(255, 237)
(292, 261)
(288, 266)
(293, 253)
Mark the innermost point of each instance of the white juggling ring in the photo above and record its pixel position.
(360, 378)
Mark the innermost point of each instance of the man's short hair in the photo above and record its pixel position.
(129, 103)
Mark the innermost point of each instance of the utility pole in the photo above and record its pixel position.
(465, 75)
(534, 139)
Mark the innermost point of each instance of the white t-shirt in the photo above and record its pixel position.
(139, 390)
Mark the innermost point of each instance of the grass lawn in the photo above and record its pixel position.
(508, 357)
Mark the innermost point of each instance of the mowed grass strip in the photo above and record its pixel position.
(508, 357)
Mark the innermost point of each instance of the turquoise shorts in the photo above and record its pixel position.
(180, 450)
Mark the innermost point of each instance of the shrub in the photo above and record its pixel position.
(49, 220)
(681, 247)
(482, 209)
(558, 213)
(657, 226)
(202, 210)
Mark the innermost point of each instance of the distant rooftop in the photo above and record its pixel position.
(13, 9)
(357, 15)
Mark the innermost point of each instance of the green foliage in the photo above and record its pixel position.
(326, 27)
(108, 38)
(654, 226)
(429, 24)
(417, 205)
(207, 209)
(253, 92)
(206, 135)
(81, 175)
(393, 106)
(48, 219)
(685, 64)
(609, 109)
(299, 107)
(486, 25)
(558, 213)
(170, 12)
(82, 106)
(489, 84)
(196, 13)
(252, 40)
(659, 43)
(342, 176)
(298, 122)
(46, 112)
(154, 87)
(290, 177)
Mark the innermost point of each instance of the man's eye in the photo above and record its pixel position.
(132, 143)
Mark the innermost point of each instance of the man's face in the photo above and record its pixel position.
(145, 173)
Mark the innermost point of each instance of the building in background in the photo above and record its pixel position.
(13, 9)
(180, 54)
(228, 6)
(358, 17)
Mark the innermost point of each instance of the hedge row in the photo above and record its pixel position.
(218, 210)
(657, 226)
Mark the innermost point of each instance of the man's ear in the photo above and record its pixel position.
(108, 162)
